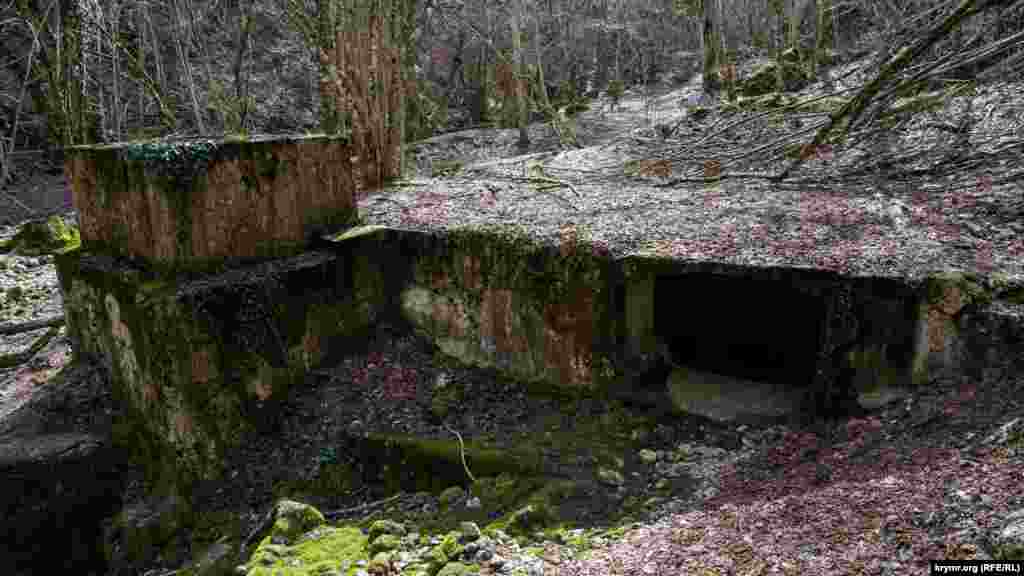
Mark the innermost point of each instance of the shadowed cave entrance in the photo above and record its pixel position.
(760, 335)
(751, 329)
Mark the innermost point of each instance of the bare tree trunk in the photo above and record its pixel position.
(823, 32)
(712, 46)
(134, 65)
(3, 161)
(327, 21)
(69, 80)
(545, 101)
(99, 46)
(403, 39)
(140, 50)
(242, 48)
(779, 41)
(21, 99)
(792, 14)
(727, 70)
(456, 70)
(518, 76)
(482, 103)
(114, 40)
(203, 44)
(161, 77)
(186, 65)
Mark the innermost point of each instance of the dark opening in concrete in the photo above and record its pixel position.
(740, 327)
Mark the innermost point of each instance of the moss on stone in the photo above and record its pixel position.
(451, 546)
(384, 543)
(458, 569)
(325, 549)
(50, 236)
(382, 527)
(294, 519)
(449, 496)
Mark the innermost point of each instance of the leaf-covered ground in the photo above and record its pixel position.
(920, 480)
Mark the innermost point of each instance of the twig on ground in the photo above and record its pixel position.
(332, 514)
(462, 452)
(30, 325)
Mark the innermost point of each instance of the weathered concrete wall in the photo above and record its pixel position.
(537, 313)
(193, 359)
(195, 204)
(966, 325)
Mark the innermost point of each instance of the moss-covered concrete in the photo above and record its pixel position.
(540, 313)
(556, 318)
(953, 332)
(198, 205)
(192, 358)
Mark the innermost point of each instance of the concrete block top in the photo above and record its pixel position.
(746, 224)
(192, 203)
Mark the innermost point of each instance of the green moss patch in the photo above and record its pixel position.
(320, 551)
(39, 237)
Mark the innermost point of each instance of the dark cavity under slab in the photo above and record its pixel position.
(751, 346)
(748, 328)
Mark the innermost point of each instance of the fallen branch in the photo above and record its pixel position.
(19, 327)
(462, 452)
(334, 514)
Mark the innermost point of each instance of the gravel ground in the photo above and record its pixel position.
(28, 291)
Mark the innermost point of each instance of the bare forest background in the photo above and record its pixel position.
(90, 71)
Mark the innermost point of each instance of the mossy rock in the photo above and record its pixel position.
(616, 89)
(318, 552)
(447, 551)
(294, 519)
(504, 490)
(385, 527)
(450, 496)
(530, 518)
(380, 563)
(458, 569)
(445, 396)
(450, 545)
(39, 237)
(385, 543)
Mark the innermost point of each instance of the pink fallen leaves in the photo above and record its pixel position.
(397, 382)
(846, 527)
(875, 516)
(400, 383)
(821, 152)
